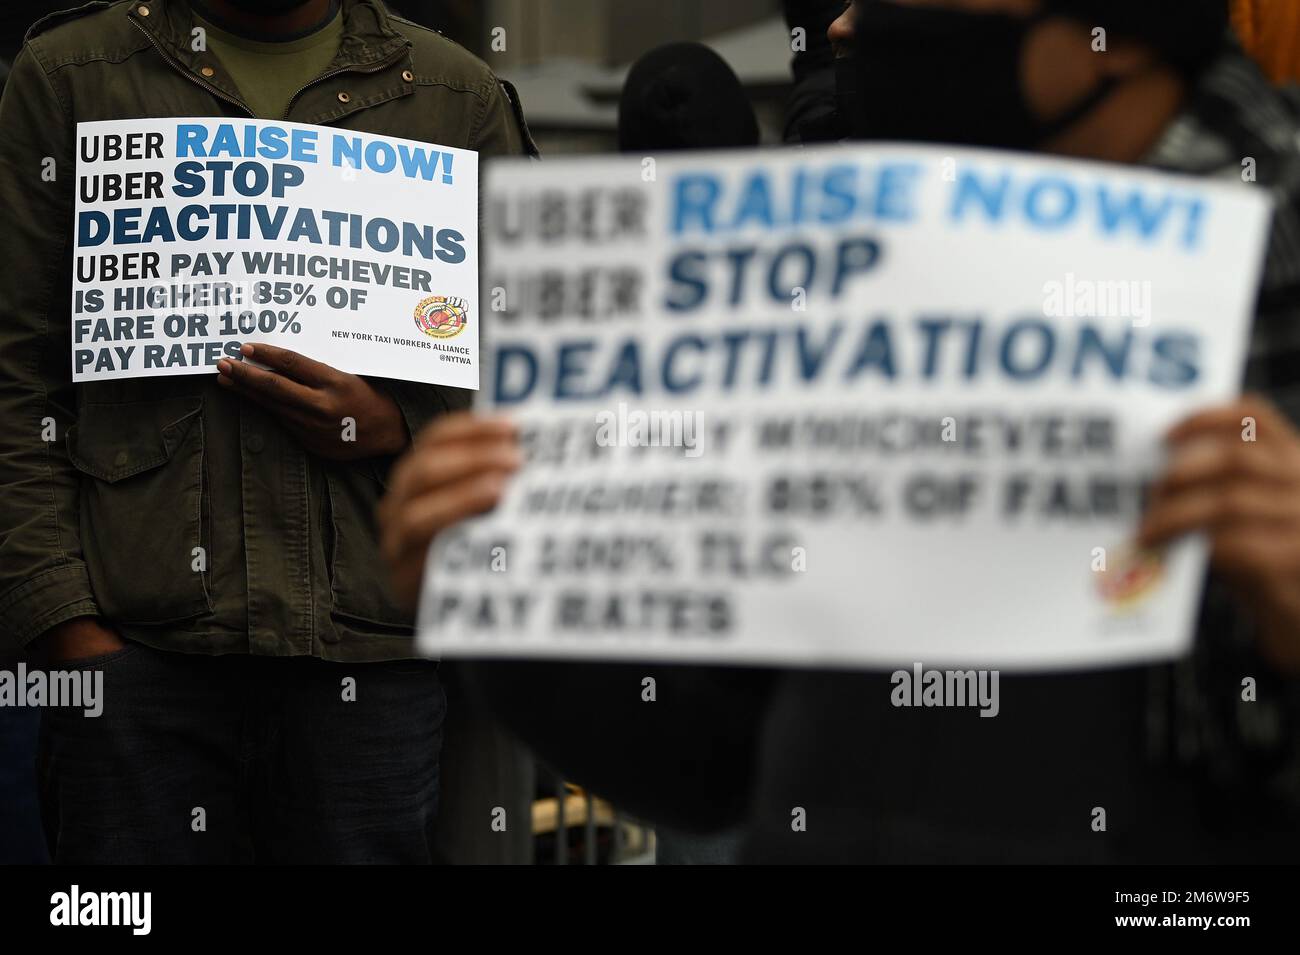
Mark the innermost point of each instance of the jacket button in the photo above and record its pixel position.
(142, 10)
(255, 443)
(208, 71)
(120, 459)
(408, 75)
(344, 98)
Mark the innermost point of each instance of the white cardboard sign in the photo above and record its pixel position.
(849, 406)
(194, 236)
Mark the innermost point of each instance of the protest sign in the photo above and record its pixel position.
(194, 236)
(849, 406)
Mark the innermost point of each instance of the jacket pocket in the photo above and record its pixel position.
(358, 574)
(144, 508)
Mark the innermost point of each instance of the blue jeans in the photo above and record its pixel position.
(239, 759)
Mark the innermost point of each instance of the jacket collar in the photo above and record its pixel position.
(369, 42)
(368, 36)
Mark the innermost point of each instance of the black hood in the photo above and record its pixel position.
(684, 96)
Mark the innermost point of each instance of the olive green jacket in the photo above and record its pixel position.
(188, 518)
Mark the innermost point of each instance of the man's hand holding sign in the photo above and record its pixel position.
(315, 402)
(458, 469)
(1234, 475)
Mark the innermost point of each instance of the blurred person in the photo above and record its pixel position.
(1186, 771)
(222, 683)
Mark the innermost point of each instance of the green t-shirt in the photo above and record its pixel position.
(268, 74)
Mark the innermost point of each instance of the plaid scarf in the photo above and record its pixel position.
(1196, 718)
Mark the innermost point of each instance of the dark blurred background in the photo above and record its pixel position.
(568, 58)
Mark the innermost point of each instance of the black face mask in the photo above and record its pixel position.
(927, 74)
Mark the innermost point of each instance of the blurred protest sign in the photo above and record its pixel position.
(857, 406)
(194, 236)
